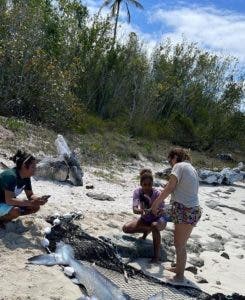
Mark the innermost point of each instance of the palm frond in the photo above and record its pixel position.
(136, 3)
(106, 3)
(114, 8)
(128, 13)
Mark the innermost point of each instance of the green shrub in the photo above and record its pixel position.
(90, 124)
(14, 124)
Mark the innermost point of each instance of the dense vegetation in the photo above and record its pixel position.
(61, 67)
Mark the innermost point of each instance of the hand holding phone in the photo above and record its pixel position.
(44, 198)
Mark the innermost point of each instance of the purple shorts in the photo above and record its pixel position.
(162, 219)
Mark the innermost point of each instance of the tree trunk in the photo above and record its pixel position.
(116, 22)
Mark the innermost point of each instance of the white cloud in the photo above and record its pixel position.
(216, 30)
(94, 6)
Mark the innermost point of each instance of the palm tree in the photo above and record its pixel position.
(115, 6)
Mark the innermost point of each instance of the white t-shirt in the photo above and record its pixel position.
(186, 191)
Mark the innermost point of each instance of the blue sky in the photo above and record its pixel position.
(222, 7)
(218, 26)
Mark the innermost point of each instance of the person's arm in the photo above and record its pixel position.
(31, 197)
(137, 210)
(169, 188)
(11, 200)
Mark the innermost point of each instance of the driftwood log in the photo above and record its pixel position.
(64, 167)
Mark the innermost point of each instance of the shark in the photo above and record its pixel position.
(100, 286)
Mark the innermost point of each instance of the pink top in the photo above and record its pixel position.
(139, 197)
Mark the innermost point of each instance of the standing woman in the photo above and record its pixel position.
(12, 183)
(185, 212)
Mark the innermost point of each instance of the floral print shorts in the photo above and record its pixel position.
(187, 215)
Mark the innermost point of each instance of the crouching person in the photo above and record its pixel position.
(12, 183)
(143, 198)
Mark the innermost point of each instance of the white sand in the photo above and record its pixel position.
(21, 281)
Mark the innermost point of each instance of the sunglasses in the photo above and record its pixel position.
(29, 157)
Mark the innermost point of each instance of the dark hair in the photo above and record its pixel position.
(21, 157)
(146, 174)
(180, 153)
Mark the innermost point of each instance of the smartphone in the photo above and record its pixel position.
(45, 197)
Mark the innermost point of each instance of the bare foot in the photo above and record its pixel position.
(171, 269)
(144, 236)
(179, 278)
(155, 260)
(175, 280)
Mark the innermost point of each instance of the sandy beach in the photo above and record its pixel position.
(220, 258)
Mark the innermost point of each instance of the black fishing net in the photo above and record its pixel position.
(108, 262)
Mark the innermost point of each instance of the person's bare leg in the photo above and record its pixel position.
(181, 235)
(137, 226)
(16, 212)
(30, 210)
(13, 214)
(145, 234)
(156, 236)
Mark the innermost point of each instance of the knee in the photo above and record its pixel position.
(125, 229)
(154, 226)
(15, 212)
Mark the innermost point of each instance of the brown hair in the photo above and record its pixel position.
(146, 174)
(180, 153)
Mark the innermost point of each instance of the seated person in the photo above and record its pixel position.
(143, 198)
(12, 183)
